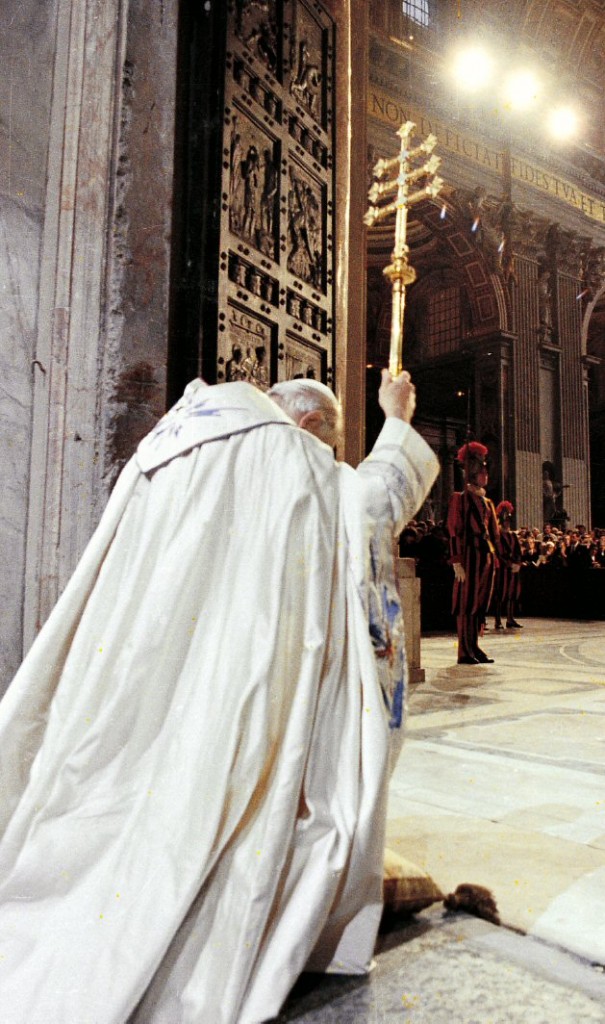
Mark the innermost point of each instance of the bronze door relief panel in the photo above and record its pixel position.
(275, 284)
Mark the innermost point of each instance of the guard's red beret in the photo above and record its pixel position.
(472, 450)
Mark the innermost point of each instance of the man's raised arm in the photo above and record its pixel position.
(401, 468)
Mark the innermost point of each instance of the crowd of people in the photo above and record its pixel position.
(427, 542)
(556, 577)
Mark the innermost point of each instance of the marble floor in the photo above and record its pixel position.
(501, 783)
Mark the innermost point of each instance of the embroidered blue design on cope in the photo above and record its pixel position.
(391, 607)
(174, 421)
(397, 706)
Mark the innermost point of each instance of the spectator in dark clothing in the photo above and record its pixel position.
(408, 543)
(433, 548)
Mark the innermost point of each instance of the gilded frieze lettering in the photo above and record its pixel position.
(392, 111)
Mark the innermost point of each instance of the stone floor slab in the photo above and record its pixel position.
(444, 969)
(501, 783)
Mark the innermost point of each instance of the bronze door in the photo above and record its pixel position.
(275, 278)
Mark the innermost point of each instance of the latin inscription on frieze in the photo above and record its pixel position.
(391, 111)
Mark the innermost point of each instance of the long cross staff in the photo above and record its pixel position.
(399, 271)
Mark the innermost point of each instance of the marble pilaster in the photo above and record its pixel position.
(19, 247)
(525, 389)
(409, 589)
(26, 48)
(527, 424)
(575, 437)
(64, 450)
(528, 510)
(102, 309)
(576, 500)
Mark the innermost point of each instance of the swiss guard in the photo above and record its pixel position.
(473, 531)
(507, 590)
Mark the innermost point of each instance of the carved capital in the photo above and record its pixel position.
(592, 268)
(530, 235)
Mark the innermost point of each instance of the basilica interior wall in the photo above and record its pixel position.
(87, 150)
(87, 244)
(532, 209)
(26, 64)
(133, 384)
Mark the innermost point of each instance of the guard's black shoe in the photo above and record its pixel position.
(467, 660)
(498, 626)
(482, 657)
(513, 625)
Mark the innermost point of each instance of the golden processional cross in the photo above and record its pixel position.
(399, 271)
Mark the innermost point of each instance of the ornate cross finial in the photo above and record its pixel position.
(399, 271)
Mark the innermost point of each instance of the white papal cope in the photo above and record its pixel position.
(193, 755)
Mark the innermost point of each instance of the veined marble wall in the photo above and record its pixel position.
(26, 60)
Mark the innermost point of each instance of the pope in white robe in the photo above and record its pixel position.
(194, 754)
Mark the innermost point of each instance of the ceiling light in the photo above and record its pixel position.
(472, 68)
(563, 122)
(521, 90)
